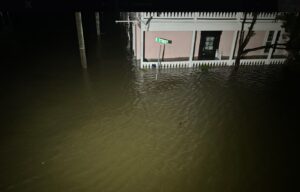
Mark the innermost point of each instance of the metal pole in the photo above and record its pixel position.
(158, 56)
(81, 39)
(163, 53)
(97, 23)
(125, 21)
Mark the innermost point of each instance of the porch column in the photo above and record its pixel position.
(233, 44)
(192, 49)
(271, 49)
(133, 39)
(142, 40)
(142, 45)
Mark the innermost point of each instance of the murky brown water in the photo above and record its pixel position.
(117, 128)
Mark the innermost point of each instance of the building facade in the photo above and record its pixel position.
(203, 38)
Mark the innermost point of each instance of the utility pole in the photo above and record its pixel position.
(2, 18)
(81, 39)
(97, 24)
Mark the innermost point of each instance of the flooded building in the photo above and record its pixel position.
(191, 39)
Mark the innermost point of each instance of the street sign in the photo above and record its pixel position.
(162, 41)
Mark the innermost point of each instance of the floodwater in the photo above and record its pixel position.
(116, 128)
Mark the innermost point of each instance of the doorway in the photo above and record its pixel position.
(209, 44)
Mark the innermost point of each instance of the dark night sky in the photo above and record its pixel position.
(143, 5)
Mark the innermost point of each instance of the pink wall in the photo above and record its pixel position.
(181, 43)
(152, 47)
(180, 47)
(255, 41)
(226, 43)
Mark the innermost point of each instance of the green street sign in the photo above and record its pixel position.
(162, 41)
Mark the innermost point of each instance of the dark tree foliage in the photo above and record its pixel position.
(291, 24)
(243, 41)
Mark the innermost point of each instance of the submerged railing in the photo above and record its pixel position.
(211, 63)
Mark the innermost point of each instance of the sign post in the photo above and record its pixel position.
(159, 54)
(161, 41)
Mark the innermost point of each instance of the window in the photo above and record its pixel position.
(269, 41)
(209, 43)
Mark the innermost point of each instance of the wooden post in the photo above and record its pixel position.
(97, 24)
(233, 44)
(80, 39)
(271, 49)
